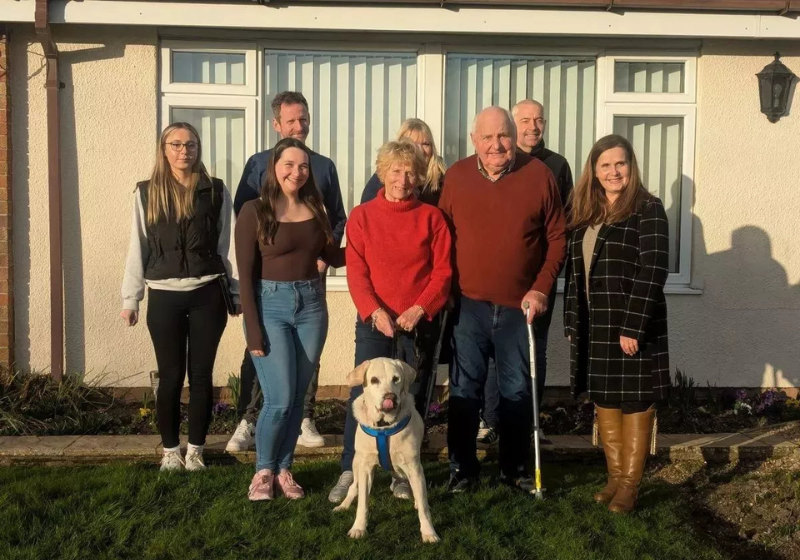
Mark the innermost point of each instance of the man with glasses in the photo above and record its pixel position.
(290, 120)
(529, 118)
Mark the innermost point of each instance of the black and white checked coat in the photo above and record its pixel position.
(629, 268)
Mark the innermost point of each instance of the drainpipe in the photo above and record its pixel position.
(42, 23)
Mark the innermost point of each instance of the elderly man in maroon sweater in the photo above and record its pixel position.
(509, 238)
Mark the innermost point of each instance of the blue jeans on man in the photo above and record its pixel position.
(491, 398)
(480, 330)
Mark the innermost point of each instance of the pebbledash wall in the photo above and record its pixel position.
(738, 328)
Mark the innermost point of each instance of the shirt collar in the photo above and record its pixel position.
(502, 174)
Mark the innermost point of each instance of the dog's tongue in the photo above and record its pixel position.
(388, 404)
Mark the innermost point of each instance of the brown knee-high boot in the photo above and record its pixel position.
(609, 425)
(637, 431)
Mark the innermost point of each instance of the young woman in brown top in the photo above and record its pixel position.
(279, 238)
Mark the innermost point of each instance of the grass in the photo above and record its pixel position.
(133, 511)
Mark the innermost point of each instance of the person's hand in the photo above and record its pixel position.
(383, 322)
(130, 317)
(537, 302)
(257, 353)
(322, 267)
(237, 310)
(629, 345)
(410, 317)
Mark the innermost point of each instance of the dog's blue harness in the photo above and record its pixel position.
(382, 436)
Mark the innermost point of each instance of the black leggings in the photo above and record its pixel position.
(628, 407)
(181, 321)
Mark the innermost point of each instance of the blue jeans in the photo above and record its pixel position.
(294, 317)
(481, 330)
(415, 349)
(491, 396)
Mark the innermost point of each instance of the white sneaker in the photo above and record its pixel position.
(172, 461)
(339, 491)
(194, 461)
(242, 438)
(401, 489)
(309, 436)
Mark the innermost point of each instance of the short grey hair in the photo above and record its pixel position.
(515, 108)
(509, 119)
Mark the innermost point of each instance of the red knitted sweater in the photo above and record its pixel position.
(398, 256)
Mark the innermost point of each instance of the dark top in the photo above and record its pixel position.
(291, 257)
(559, 166)
(374, 185)
(325, 177)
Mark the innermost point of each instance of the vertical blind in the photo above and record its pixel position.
(222, 136)
(193, 67)
(649, 77)
(658, 143)
(356, 100)
(565, 86)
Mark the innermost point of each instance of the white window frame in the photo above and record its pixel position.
(250, 50)
(689, 116)
(689, 61)
(248, 104)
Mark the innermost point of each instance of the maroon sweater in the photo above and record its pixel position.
(509, 236)
(398, 256)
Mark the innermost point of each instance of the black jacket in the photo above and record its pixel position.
(559, 166)
(186, 249)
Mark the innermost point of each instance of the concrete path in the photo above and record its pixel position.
(760, 444)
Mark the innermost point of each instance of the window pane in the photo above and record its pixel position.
(222, 137)
(658, 143)
(649, 77)
(208, 68)
(566, 88)
(356, 100)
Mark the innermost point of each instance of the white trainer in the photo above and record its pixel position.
(339, 491)
(242, 438)
(194, 461)
(309, 436)
(172, 461)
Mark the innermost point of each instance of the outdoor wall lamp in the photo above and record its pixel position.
(774, 86)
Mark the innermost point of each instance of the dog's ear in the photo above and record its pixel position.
(356, 377)
(409, 375)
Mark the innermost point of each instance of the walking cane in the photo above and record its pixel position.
(538, 491)
(434, 367)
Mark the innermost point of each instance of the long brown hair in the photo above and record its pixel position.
(271, 191)
(589, 203)
(166, 197)
(434, 174)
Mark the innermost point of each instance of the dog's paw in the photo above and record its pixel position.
(344, 506)
(431, 538)
(358, 533)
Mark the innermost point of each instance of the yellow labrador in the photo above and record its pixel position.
(386, 407)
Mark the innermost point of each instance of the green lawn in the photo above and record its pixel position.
(133, 511)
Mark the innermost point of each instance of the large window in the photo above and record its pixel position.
(359, 95)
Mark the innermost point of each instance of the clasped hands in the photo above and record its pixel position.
(407, 321)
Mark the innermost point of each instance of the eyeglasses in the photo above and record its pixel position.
(177, 146)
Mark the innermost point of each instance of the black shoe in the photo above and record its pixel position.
(523, 481)
(459, 484)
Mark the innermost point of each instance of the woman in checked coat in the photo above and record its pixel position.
(615, 314)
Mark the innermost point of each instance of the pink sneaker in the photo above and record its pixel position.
(286, 485)
(261, 486)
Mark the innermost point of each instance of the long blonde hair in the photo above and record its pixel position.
(436, 167)
(166, 197)
(589, 204)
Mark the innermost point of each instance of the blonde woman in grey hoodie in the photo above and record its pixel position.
(180, 250)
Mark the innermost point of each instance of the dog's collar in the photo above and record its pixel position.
(382, 436)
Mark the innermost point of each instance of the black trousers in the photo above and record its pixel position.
(186, 328)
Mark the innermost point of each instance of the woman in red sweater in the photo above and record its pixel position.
(398, 272)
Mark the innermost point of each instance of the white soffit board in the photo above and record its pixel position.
(414, 19)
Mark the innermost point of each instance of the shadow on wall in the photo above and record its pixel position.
(746, 325)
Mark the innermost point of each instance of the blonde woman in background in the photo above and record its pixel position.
(430, 188)
(180, 249)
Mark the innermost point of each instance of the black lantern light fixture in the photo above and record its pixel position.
(774, 86)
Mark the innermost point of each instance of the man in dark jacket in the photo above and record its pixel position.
(290, 120)
(529, 118)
